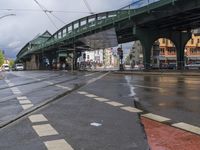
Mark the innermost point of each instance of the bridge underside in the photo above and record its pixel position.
(173, 21)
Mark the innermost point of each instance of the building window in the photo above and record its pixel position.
(192, 41)
(162, 51)
(167, 41)
(163, 40)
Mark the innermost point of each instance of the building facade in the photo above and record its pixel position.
(100, 58)
(164, 52)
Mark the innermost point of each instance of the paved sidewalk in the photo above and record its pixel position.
(164, 137)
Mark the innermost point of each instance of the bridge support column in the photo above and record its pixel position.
(180, 40)
(147, 38)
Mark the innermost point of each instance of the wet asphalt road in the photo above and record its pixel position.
(71, 114)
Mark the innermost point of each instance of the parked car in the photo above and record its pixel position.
(193, 66)
(19, 66)
(5, 67)
(172, 66)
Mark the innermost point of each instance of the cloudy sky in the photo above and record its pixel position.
(29, 20)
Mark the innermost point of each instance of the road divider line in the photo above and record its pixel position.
(10, 84)
(27, 106)
(87, 75)
(91, 95)
(37, 118)
(97, 78)
(155, 117)
(17, 92)
(131, 109)
(58, 145)
(51, 83)
(101, 99)
(63, 87)
(187, 127)
(25, 102)
(22, 98)
(44, 130)
(82, 92)
(115, 104)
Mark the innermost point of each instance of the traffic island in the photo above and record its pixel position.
(163, 137)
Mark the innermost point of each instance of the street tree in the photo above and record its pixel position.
(11, 63)
(1, 58)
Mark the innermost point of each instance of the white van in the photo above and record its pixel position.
(5, 67)
(19, 66)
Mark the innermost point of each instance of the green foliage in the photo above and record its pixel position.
(11, 63)
(1, 58)
(128, 58)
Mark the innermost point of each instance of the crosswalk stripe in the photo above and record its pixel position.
(25, 102)
(37, 118)
(91, 95)
(27, 106)
(44, 130)
(58, 145)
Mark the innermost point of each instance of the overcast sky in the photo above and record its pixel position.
(16, 31)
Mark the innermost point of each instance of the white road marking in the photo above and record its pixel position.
(187, 127)
(115, 104)
(37, 118)
(130, 86)
(91, 95)
(97, 78)
(37, 79)
(82, 92)
(131, 109)
(7, 81)
(17, 93)
(148, 87)
(10, 84)
(95, 124)
(45, 130)
(14, 88)
(26, 106)
(51, 83)
(58, 145)
(25, 102)
(87, 75)
(101, 99)
(22, 98)
(63, 87)
(156, 117)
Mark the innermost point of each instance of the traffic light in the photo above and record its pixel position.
(120, 53)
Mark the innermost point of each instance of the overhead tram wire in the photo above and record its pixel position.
(39, 10)
(88, 7)
(45, 11)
